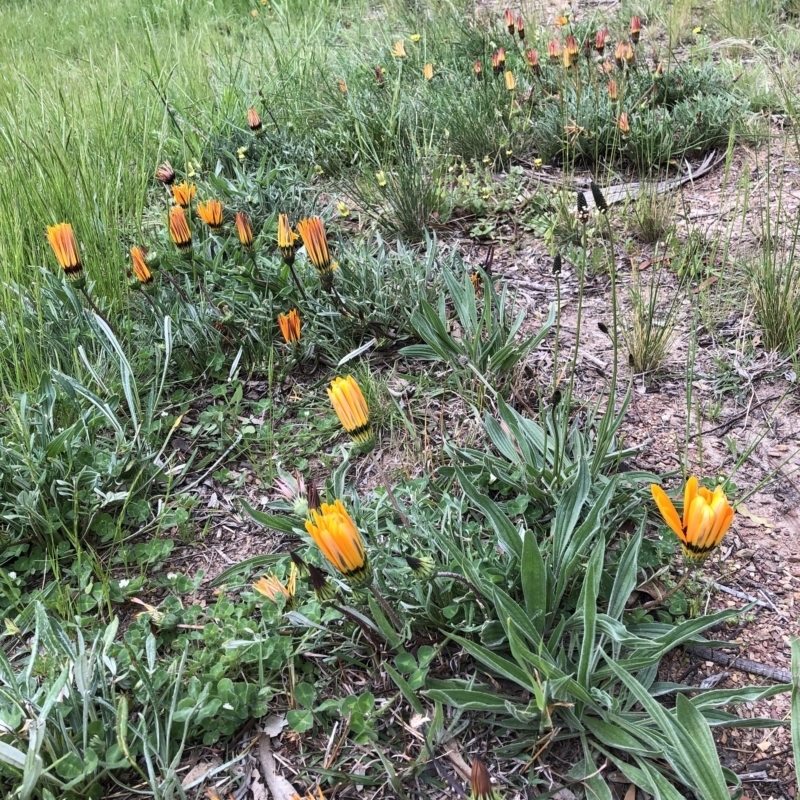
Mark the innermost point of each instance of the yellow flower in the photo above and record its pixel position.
(511, 84)
(243, 230)
(184, 193)
(342, 208)
(427, 72)
(399, 49)
(179, 228)
(287, 239)
(272, 588)
(336, 535)
(140, 268)
(290, 326)
(254, 13)
(350, 406)
(707, 516)
(211, 213)
(537, 162)
(309, 796)
(242, 153)
(62, 240)
(381, 178)
(312, 232)
(415, 37)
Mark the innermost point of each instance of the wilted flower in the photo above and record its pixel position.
(613, 91)
(427, 72)
(312, 232)
(290, 326)
(707, 516)
(600, 41)
(509, 18)
(254, 121)
(423, 566)
(243, 230)
(477, 68)
(597, 196)
(184, 193)
(636, 29)
(481, 783)
(532, 57)
(272, 588)
(623, 124)
(211, 213)
(499, 60)
(287, 239)
(379, 75)
(336, 535)
(350, 406)
(139, 265)
(556, 269)
(477, 282)
(511, 84)
(165, 173)
(554, 50)
(292, 488)
(520, 26)
(342, 84)
(179, 228)
(380, 177)
(659, 70)
(399, 49)
(62, 240)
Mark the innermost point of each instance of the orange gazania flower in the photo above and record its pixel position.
(554, 50)
(350, 406)
(287, 239)
(254, 121)
(312, 232)
(613, 91)
(211, 213)
(636, 29)
(243, 230)
(623, 124)
(480, 782)
(509, 18)
(477, 68)
(179, 228)
(532, 57)
(165, 173)
(427, 72)
(499, 60)
(336, 535)
(623, 54)
(140, 268)
(707, 516)
(571, 47)
(290, 326)
(399, 49)
(562, 20)
(184, 193)
(62, 240)
(600, 41)
(520, 27)
(511, 84)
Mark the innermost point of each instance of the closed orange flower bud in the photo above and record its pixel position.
(254, 121)
(179, 228)
(243, 230)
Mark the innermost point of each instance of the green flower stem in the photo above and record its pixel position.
(97, 311)
(454, 576)
(676, 588)
(386, 607)
(176, 286)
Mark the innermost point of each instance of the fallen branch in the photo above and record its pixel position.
(742, 664)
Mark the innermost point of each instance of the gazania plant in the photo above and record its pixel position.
(350, 406)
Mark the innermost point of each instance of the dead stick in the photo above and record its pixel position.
(742, 664)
